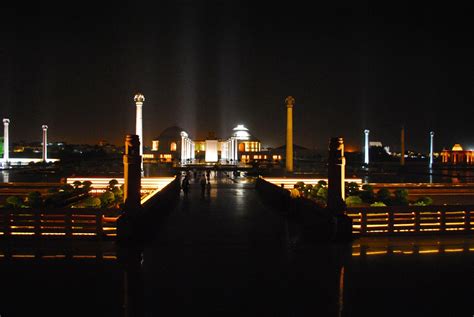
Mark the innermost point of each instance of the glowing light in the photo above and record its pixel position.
(241, 132)
(83, 256)
(376, 252)
(109, 257)
(53, 234)
(149, 185)
(453, 250)
(457, 147)
(428, 251)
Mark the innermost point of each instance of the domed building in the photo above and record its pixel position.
(457, 156)
(171, 144)
(246, 142)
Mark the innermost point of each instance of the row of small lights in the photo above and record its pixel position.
(409, 252)
(288, 183)
(59, 256)
(150, 186)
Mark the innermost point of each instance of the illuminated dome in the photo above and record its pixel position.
(241, 132)
(139, 98)
(173, 132)
(457, 147)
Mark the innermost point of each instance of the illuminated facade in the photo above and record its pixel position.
(457, 156)
(175, 145)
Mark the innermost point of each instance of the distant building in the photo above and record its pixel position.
(375, 143)
(457, 156)
(167, 146)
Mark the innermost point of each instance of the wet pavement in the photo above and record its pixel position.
(221, 253)
(228, 254)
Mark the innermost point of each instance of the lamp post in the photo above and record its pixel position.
(431, 148)
(6, 143)
(45, 142)
(366, 153)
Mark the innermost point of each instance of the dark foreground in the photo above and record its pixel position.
(228, 254)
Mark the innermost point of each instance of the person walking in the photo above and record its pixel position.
(185, 185)
(203, 182)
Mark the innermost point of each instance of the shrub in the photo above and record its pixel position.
(401, 197)
(92, 202)
(107, 198)
(424, 201)
(295, 193)
(352, 189)
(353, 201)
(383, 195)
(87, 185)
(66, 188)
(299, 185)
(34, 199)
(322, 193)
(367, 194)
(113, 183)
(322, 183)
(378, 204)
(14, 201)
(307, 190)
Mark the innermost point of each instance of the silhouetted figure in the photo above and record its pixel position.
(208, 175)
(203, 182)
(185, 185)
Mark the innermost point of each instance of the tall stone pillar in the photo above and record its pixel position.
(6, 141)
(236, 150)
(139, 99)
(366, 148)
(132, 172)
(290, 101)
(183, 148)
(188, 149)
(131, 222)
(336, 175)
(232, 150)
(45, 143)
(431, 148)
(402, 141)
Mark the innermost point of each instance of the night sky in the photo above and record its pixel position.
(210, 65)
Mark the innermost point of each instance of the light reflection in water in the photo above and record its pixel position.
(412, 246)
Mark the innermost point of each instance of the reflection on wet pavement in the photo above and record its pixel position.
(229, 254)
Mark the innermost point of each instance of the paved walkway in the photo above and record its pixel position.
(220, 254)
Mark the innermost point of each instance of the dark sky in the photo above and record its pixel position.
(209, 65)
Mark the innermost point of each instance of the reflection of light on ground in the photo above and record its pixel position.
(58, 257)
(149, 185)
(288, 183)
(412, 246)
